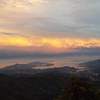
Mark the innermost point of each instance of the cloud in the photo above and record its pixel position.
(66, 18)
(7, 34)
(49, 26)
(56, 44)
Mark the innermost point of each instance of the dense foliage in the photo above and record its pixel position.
(80, 89)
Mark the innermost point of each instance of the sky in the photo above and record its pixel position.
(49, 26)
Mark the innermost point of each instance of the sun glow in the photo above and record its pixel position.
(14, 41)
(49, 42)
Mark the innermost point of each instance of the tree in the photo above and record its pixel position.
(78, 89)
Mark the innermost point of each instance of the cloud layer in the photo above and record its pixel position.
(56, 25)
(51, 17)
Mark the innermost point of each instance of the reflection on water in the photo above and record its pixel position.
(57, 61)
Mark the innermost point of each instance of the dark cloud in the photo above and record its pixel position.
(6, 33)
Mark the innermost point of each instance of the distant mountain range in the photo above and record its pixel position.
(34, 68)
(91, 64)
(91, 70)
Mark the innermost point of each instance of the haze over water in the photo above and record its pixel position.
(71, 61)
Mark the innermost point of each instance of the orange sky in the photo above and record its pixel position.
(49, 25)
(47, 44)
